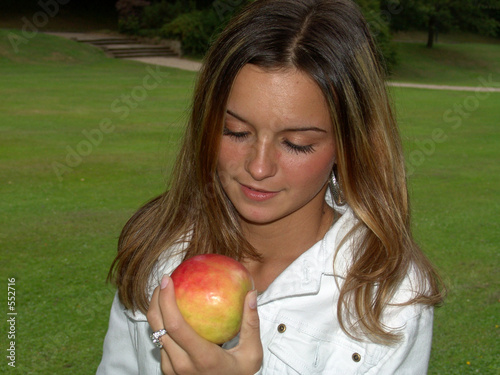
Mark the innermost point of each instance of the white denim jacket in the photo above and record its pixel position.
(299, 329)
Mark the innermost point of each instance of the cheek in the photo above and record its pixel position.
(316, 170)
(229, 159)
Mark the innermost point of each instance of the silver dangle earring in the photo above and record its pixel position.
(336, 190)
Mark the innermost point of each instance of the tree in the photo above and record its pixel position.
(378, 21)
(480, 16)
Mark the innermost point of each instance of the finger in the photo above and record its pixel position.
(159, 319)
(166, 364)
(155, 320)
(250, 324)
(250, 345)
(153, 315)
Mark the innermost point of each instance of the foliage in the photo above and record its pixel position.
(196, 29)
(193, 22)
(128, 8)
(193, 29)
(162, 12)
(129, 15)
(129, 25)
(380, 30)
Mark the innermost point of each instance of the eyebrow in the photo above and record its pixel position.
(299, 129)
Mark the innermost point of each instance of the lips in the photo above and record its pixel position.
(257, 194)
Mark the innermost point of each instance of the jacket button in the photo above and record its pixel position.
(281, 328)
(356, 357)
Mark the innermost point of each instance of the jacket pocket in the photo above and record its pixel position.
(298, 351)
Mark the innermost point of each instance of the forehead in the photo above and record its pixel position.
(286, 95)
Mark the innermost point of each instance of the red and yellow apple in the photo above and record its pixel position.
(210, 291)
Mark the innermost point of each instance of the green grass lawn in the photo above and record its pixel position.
(458, 64)
(59, 233)
(60, 225)
(454, 188)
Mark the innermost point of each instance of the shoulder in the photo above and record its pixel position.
(340, 241)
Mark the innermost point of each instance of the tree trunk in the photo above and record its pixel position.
(431, 31)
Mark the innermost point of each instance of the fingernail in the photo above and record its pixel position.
(164, 281)
(252, 302)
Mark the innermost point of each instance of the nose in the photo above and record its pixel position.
(261, 161)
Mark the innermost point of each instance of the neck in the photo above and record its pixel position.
(286, 239)
(281, 242)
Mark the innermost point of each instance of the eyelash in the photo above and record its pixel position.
(241, 136)
(298, 149)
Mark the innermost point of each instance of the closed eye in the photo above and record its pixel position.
(298, 149)
(239, 136)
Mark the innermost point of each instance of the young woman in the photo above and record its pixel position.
(292, 164)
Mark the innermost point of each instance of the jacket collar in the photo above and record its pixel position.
(303, 276)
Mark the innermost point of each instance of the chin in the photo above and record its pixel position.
(260, 218)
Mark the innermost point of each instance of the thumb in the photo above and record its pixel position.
(250, 329)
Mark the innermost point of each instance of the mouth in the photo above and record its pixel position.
(257, 194)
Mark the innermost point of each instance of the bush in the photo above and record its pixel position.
(383, 37)
(158, 14)
(194, 29)
(129, 25)
(127, 8)
(129, 15)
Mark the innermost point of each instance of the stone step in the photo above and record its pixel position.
(138, 50)
(126, 54)
(106, 41)
(122, 47)
(117, 47)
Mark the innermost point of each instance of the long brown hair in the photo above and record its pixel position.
(330, 41)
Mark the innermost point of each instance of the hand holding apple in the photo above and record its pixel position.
(210, 291)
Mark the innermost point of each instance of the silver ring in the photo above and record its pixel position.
(155, 336)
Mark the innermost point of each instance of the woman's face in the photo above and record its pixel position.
(277, 150)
